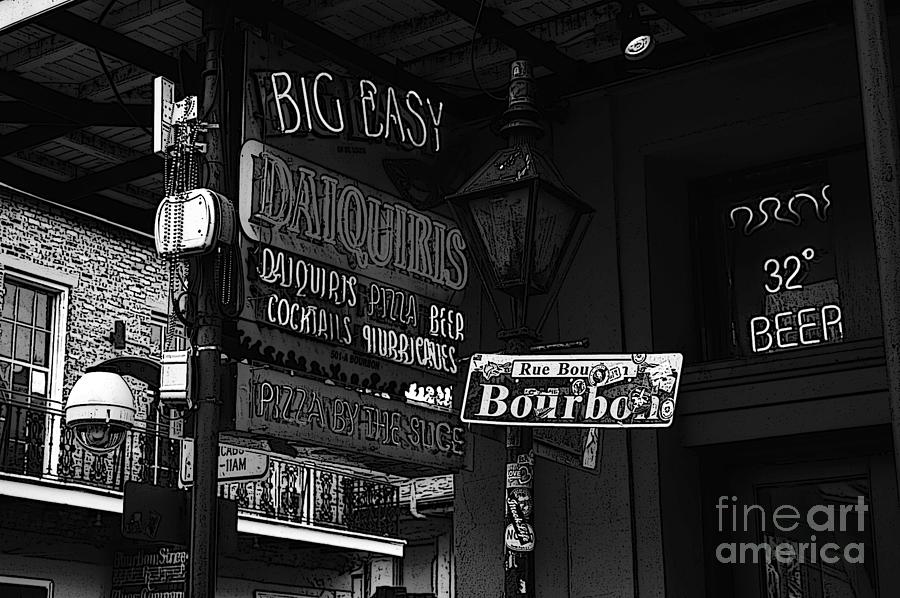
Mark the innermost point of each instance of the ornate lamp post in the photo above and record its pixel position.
(523, 225)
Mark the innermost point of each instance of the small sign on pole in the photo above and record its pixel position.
(235, 463)
(607, 391)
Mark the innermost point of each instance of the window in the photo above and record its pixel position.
(26, 327)
(20, 587)
(159, 324)
(785, 258)
(31, 358)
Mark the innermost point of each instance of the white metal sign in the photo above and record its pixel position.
(635, 390)
(235, 463)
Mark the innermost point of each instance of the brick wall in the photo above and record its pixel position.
(115, 275)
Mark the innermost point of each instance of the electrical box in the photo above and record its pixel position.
(175, 379)
(193, 223)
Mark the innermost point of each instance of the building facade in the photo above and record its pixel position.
(732, 223)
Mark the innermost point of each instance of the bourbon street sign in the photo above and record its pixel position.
(389, 435)
(636, 390)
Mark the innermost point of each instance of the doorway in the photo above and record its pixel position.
(786, 524)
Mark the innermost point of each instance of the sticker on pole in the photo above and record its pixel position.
(609, 391)
(235, 463)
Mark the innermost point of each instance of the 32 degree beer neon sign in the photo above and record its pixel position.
(799, 286)
(788, 329)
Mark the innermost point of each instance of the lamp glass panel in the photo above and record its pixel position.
(553, 226)
(500, 221)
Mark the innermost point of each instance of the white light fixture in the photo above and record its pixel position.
(637, 39)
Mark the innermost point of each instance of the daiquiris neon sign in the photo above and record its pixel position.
(321, 207)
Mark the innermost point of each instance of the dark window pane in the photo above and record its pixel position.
(26, 306)
(9, 299)
(156, 338)
(41, 350)
(12, 590)
(42, 311)
(20, 379)
(4, 378)
(22, 344)
(6, 334)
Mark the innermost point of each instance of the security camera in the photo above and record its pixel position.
(100, 410)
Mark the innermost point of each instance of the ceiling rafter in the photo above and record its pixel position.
(777, 25)
(88, 114)
(99, 147)
(68, 108)
(454, 61)
(129, 77)
(138, 217)
(32, 136)
(304, 33)
(130, 17)
(492, 24)
(114, 175)
(112, 43)
(43, 163)
(406, 33)
(682, 19)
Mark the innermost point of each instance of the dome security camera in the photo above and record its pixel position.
(100, 410)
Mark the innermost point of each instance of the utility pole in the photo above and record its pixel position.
(883, 157)
(208, 349)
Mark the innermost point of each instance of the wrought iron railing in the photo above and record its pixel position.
(35, 443)
(301, 493)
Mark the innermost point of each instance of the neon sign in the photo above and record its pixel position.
(324, 105)
(321, 207)
(800, 295)
(332, 260)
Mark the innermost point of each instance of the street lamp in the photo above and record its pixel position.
(523, 225)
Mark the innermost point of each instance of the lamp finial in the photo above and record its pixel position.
(521, 113)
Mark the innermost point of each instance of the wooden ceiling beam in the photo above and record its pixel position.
(32, 136)
(687, 23)
(124, 19)
(492, 24)
(112, 43)
(89, 114)
(61, 171)
(99, 147)
(776, 25)
(114, 176)
(304, 33)
(67, 108)
(139, 217)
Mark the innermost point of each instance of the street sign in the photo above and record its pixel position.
(235, 463)
(633, 390)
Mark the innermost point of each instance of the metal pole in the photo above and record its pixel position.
(519, 540)
(204, 519)
(521, 128)
(883, 153)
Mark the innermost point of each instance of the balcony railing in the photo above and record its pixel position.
(34, 443)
